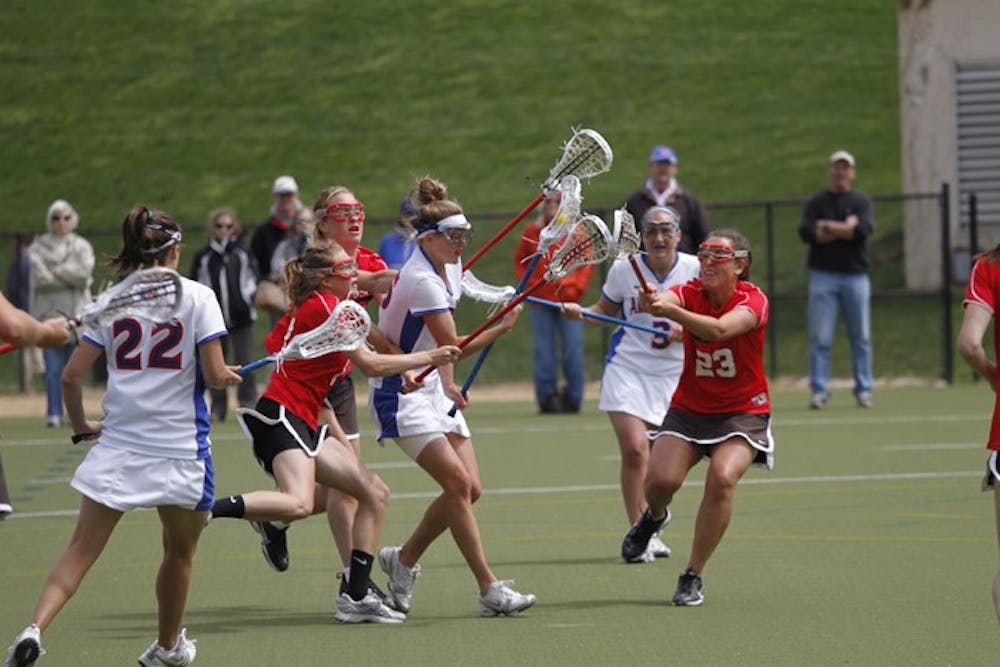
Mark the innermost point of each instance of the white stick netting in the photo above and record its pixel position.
(585, 155)
(476, 289)
(626, 236)
(345, 329)
(565, 217)
(588, 242)
(153, 294)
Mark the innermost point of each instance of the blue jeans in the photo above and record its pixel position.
(551, 331)
(829, 294)
(55, 360)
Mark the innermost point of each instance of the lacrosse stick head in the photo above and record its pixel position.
(346, 329)
(585, 155)
(566, 215)
(625, 235)
(588, 242)
(153, 294)
(475, 288)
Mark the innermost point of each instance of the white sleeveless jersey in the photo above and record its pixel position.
(418, 290)
(635, 350)
(155, 399)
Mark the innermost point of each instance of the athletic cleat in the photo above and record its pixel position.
(657, 547)
(401, 577)
(501, 599)
(689, 590)
(181, 655)
(636, 542)
(369, 609)
(273, 544)
(818, 401)
(26, 648)
(372, 588)
(865, 400)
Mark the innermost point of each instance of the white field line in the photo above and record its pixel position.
(778, 421)
(591, 488)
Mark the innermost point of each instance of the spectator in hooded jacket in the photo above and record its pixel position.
(62, 264)
(231, 272)
(268, 234)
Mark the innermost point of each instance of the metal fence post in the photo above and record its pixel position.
(772, 333)
(946, 270)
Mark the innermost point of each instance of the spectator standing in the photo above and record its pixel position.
(292, 246)
(662, 189)
(273, 231)
(62, 264)
(836, 223)
(231, 272)
(397, 246)
(551, 333)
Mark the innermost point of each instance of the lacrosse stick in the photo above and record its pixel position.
(345, 329)
(627, 244)
(585, 155)
(600, 316)
(588, 242)
(153, 294)
(562, 222)
(475, 288)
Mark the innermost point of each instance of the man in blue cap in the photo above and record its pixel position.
(662, 189)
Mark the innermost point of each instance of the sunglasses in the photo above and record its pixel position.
(457, 236)
(717, 253)
(346, 212)
(222, 225)
(57, 218)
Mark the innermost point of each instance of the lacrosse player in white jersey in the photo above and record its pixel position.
(416, 315)
(641, 370)
(152, 447)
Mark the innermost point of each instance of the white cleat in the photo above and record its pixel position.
(26, 648)
(401, 577)
(181, 655)
(369, 609)
(657, 547)
(501, 599)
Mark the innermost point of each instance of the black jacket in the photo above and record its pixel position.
(232, 274)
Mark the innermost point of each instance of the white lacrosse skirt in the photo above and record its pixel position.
(422, 411)
(125, 480)
(638, 394)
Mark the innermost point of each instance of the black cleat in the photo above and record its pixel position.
(636, 541)
(272, 544)
(689, 590)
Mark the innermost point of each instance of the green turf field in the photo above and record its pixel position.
(869, 544)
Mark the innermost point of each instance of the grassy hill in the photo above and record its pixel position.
(192, 105)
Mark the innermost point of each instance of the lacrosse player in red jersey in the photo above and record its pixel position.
(982, 298)
(284, 427)
(155, 428)
(417, 314)
(721, 409)
(641, 371)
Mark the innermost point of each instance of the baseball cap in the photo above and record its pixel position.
(285, 185)
(842, 155)
(663, 154)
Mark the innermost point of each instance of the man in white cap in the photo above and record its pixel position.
(662, 189)
(836, 223)
(273, 231)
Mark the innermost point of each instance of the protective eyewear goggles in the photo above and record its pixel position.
(346, 269)
(346, 212)
(660, 228)
(717, 253)
(456, 236)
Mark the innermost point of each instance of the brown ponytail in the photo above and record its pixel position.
(300, 278)
(147, 237)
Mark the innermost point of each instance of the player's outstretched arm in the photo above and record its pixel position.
(213, 366)
(21, 329)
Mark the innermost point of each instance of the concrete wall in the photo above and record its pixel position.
(935, 38)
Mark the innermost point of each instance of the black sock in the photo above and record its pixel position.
(361, 570)
(228, 508)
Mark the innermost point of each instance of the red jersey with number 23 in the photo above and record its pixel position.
(984, 290)
(723, 376)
